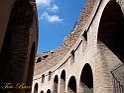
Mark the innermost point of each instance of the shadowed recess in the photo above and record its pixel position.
(86, 76)
(48, 91)
(36, 88)
(111, 29)
(72, 85)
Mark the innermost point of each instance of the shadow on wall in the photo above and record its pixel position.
(111, 29)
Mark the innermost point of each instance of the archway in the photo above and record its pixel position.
(36, 88)
(49, 91)
(72, 87)
(55, 89)
(62, 82)
(111, 29)
(86, 80)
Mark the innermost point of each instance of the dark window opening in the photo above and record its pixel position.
(72, 56)
(39, 60)
(43, 78)
(45, 56)
(52, 52)
(49, 78)
(85, 35)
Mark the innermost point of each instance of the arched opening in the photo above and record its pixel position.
(39, 59)
(111, 29)
(36, 88)
(55, 89)
(42, 92)
(86, 80)
(31, 67)
(72, 87)
(49, 91)
(62, 82)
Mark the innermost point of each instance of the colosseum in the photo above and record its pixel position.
(90, 60)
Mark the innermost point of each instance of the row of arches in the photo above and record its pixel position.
(86, 82)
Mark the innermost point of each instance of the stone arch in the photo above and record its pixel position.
(111, 28)
(55, 86)
(49, 91)
(72, 86)
(36, 88)
(62, 82)
(86, 79)
(31, 67)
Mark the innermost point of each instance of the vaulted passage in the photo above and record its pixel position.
(111, 29)
(62, 85)
(86, 80)
(36, 88)
(72, 87)
(55, 86)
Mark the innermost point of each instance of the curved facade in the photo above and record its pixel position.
(90, 60)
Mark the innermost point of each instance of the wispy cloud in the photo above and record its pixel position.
(44, 2)
(48, 5)
(50, 18)
(53, 8)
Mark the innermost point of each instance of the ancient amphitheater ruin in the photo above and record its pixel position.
(91, 58)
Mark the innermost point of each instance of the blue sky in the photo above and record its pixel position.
(56, 19)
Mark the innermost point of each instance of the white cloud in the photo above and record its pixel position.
(50, 18)
(44, 2)
(48, 5)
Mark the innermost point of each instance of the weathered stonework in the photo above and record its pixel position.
(85, 61)
(18, 43)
